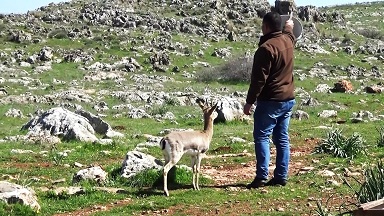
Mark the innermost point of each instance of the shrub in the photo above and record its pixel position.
(172, 101)
(380, 141)
(159, 110)
(339, 146)
(372, 33)
(347, 39)
(237, 70)
(16, 209)
(98, 38)
(58, 34)
(3, 27)
(373, 187)
(146, 178)
(323, 209)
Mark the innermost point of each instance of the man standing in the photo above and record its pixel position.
(272, 87)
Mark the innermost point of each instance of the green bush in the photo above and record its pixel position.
(237, 70)
(323, 209)
(16, 209)
(154, 178)
(373, 186)
(347, 39)
(339, 146)
(172, 101)
(3, 27)
(146, 178)
(58, 34)
(372, 33)
(159, 110)
(380, 141)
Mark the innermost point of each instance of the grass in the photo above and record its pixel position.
(305, 194)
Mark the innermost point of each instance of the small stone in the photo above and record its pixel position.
(105, 152)
(95, 173)
(58, 181)
(21, 151)
(62, 154)
(326, 173)
(78, 164)
(102, 208)
(333, 182)
(307, 168)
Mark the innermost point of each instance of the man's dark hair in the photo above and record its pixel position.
(273, 21)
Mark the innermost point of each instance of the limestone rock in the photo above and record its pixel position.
(229, 109)
(62, 122)
(80, 125)
(100, 126)
(16, 113)
(13, 193)
(69, 190)
(327, 114)
(136, 162)
(95, 173)
(299, 114)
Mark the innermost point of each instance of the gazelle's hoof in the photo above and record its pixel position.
(166, 193)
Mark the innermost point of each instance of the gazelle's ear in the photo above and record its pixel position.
(213, 108)
(201, 102)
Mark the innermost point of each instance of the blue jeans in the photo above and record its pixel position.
(272, 117)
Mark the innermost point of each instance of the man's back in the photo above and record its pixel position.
(279, 84)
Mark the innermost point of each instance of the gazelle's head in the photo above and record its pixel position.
(209, 111)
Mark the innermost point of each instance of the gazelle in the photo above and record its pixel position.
(193, 143)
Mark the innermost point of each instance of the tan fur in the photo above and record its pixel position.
(193, 143)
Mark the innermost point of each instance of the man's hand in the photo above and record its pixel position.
(247, 109)
(288, 25)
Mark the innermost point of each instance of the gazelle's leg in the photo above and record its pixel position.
(172, 162)
(166, 158)
(198, 162)
(165, 173)
(194, 168)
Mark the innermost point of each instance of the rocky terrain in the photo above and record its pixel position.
(83, 71)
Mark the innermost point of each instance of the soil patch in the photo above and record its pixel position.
(96, 208)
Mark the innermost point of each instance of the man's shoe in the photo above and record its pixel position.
(256, 183)
(276, 182)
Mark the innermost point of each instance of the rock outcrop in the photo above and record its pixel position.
(12, 193)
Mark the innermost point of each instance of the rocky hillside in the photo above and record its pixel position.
(109, 38)
(89, 29)
(123, 59)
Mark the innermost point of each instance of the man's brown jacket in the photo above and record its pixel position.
(272, 71)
